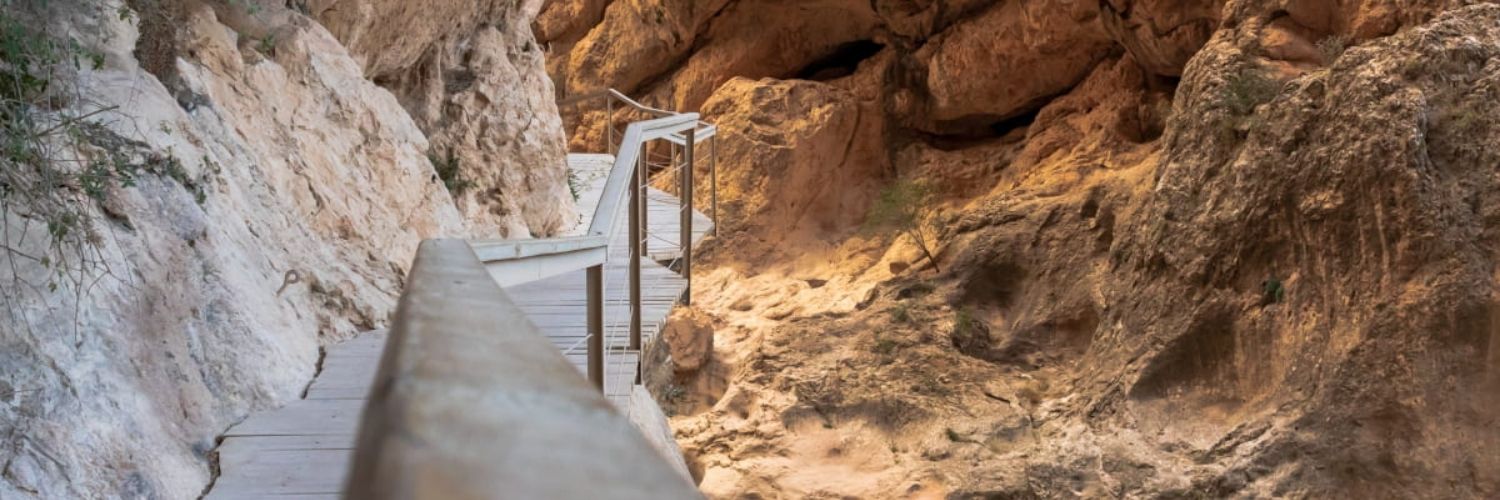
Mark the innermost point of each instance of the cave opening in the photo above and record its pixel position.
(841, 62)
(981, 130)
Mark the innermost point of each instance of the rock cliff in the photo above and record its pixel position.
(1204, 248)
(218, 189)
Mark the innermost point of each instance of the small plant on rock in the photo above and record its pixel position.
(901, 313)
(58, 164)
(970, 335)
(905, 206)
(447, 167)
(574, 185)
(1332, 47)
(267, 45)
(1246, 90)
(1241, 94)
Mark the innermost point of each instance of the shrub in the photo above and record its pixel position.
(58, 165)
(267, 45)
(1272, 291)
(447, 167)
(1246, 90)
(901, 313)
(574, 186)
(1332, 47)
(971, 335)
(904, 206)
(42, 127)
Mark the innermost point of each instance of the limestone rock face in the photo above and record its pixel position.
(473, 77)
(303, 191)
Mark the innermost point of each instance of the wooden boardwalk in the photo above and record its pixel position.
(303, 449)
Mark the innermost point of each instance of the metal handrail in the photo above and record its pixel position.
(513, 262)
(516, 261)
(617, 95)
(509, 249)
(636, 135)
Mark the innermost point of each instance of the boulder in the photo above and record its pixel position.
(689, 336)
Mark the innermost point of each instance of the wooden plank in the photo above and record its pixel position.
(307, 417)
(259, 473)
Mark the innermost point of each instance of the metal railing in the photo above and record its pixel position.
(702, 132)
(518, 261)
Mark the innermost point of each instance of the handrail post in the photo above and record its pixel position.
(643, 166)
(609, 125)
(596, 326)
(687, 217)
(713, 177)
(635, 256)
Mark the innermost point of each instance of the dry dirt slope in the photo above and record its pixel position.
(1249, 255)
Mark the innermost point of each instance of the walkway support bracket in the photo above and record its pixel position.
(596, 326)
(637, 237)
(713, 179)
(687, 218)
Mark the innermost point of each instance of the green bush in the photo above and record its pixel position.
(904, 206)
(58, 165)
(574, 185)
(970, 335)
(267, 45)
(901, 313)
(447, 167)
(41, 179)
(1332, 47)
(1246, 90)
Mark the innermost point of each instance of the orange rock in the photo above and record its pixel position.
(689, 335)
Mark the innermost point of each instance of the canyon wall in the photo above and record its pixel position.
(1206, 248)
(251, 182)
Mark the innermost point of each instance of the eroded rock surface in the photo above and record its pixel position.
(1216, 248)
(279, 199)
(473, 77)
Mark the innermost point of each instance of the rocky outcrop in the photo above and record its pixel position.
(972, 73)
(1315, 285)
(689, 336)
(274, 199)
(1161, 35)
(806, 155)
(1235, 248)
(473, 77)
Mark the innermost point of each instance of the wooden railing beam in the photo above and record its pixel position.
(471, 401)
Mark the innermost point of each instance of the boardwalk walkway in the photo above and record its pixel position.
(304, 448)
